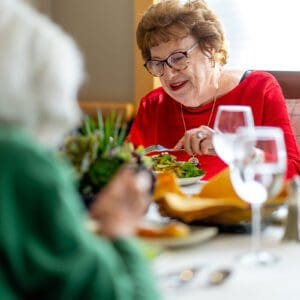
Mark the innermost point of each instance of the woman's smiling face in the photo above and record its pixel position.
(192, 86)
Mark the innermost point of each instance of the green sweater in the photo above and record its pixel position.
(45, 250)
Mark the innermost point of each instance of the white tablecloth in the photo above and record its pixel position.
(277, 282)
(280, 281)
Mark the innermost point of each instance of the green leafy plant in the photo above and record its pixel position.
(99, 149)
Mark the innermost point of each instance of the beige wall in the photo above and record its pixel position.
(104, 30)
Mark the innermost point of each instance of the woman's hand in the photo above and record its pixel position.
(197, 141)
(121, 204)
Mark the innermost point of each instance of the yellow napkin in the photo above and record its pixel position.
(216, 203)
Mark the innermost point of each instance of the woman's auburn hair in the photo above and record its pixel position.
(174, 19)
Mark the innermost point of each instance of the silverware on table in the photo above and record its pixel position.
(217, 277)
(187, 276)
(180, 277)
(156, 148)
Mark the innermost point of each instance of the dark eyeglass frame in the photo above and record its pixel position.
(166, 61)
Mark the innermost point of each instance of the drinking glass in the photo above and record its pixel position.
(228, 120)
(257, 173)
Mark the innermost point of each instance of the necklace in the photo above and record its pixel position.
(194, 160)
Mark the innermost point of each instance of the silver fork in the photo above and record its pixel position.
(156, 148)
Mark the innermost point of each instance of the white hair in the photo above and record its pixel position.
(41, 70)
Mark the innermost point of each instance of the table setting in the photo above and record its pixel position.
(209, 268)
(244, 282)
(196, 230)
(253, 252)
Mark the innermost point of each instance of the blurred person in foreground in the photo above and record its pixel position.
(183, 44)
(45, 250)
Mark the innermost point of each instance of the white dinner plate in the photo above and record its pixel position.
(189, 180)
(197, 235)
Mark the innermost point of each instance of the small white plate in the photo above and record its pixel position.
(189, 180)
(197, 235)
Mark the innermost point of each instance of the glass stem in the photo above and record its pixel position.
(256, 227)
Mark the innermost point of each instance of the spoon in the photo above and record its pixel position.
(217, 277)
(184, 277)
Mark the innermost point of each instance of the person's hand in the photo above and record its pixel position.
(121, 203)
(197, 141)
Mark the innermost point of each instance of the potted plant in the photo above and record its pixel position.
(98, 150)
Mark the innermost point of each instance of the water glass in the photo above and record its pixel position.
(257, 173)
(228, 120)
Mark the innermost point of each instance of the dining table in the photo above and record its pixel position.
(277, 281)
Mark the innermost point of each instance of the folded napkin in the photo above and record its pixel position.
(216, 202)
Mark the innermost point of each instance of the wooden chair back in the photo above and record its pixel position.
(290, 85)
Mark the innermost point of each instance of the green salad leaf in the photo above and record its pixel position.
(165, 162)
(188, 169)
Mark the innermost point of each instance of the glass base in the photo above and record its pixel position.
(262, 258)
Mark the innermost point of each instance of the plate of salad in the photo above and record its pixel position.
(186, 172)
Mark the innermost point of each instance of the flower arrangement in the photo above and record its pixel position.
(99, 149)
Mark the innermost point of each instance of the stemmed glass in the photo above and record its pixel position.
(257, 173)
(228, 120)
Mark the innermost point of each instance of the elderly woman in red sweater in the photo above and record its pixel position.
(182, 43)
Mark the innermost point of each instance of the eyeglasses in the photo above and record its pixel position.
(177, 61)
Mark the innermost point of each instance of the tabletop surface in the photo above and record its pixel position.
(277, 281)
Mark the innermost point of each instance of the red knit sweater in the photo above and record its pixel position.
(159, 121)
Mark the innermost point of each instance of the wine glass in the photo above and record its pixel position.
(228, 120)
(257, 173)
